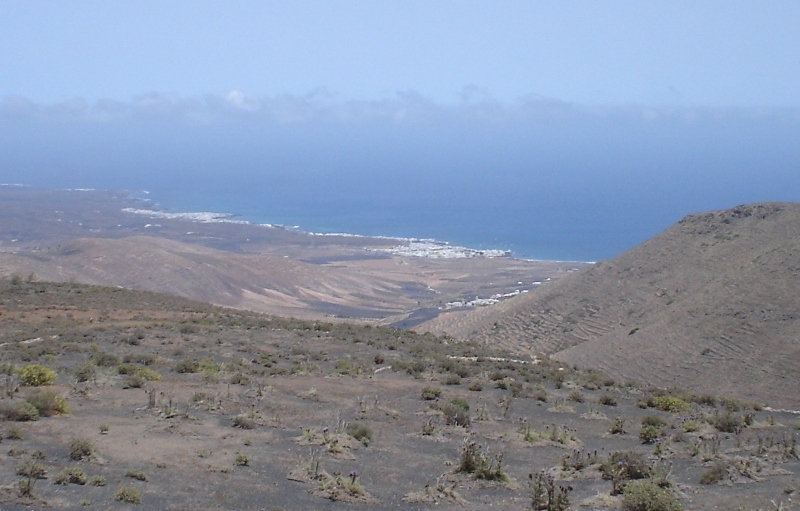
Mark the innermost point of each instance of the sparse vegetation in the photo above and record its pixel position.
(36, 375)
(272, 376)
(128, 495)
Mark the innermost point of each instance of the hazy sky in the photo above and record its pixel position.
(676, 53)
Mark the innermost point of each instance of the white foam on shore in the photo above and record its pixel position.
(409, 247)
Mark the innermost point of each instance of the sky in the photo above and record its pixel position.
(658, 53)
(561, 129)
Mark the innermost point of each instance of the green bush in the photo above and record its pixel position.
(475, 386)
(70, 475)
(36, 375)
(670, 404)
(80, 449)
(128, 495)
(85, 371)
(649, 434)
(430, 393)
(715, 473)
(187, 366)
(608, 400)
(648, 496)
(48, 403)
(20, 411)
(360, 431)
(727, 422)
(104, 359)
(147, 373)
(136, 474)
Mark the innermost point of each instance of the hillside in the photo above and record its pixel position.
(711, 303)
(112, 397)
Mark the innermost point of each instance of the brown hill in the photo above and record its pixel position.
(712, 303)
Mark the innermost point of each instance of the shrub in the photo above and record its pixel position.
(20, 411)
(48, 403)
(241, 460)
(70, 475)
(359, 431)
(475, 386)
(186, 366)
(36, 375)
(478, 462)
(608, 400)
(648, 496)
(96, 481)
(455, 413)
(715, 473)
(104, 359)
(653, 420)
(136, 474)
(147, 373)
(670, 404)
(85, 371)
(727, 422)
(244, 422)
(128, 494)
(80, 449)
(649, 434)
(622, 467)
(452, 379)
(14, 433)
(133, 382)
(430, 393)
(577, 396)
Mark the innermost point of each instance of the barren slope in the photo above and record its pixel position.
(712, 303)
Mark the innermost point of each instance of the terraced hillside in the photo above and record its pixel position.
(711, 303)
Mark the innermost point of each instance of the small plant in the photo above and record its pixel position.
(428, 428)
(475, 386)
(670, 404)
(241, 460)
(36, 375)
(480, 463)
(648, 496)
(136, 474)
(187, 366)
(70, 475)
(617, 426)
(48, 403)
(430, 393)
(244, 422)
(128, 495)
(577, 396)
(650, 434)
(85, 371)
(378, 359)
(452, 379)
(96, 481)
(359, 431)
(607, 400)
(14, 433)
(727, 422)
(715, 473)
(80, 449)
(456, 413)
(545, 495)
(21, 411)
(622, 467)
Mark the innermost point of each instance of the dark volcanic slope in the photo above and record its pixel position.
(712, 303)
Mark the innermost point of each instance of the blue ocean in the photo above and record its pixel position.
(544, 183)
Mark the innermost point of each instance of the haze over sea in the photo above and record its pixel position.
(544, 179)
